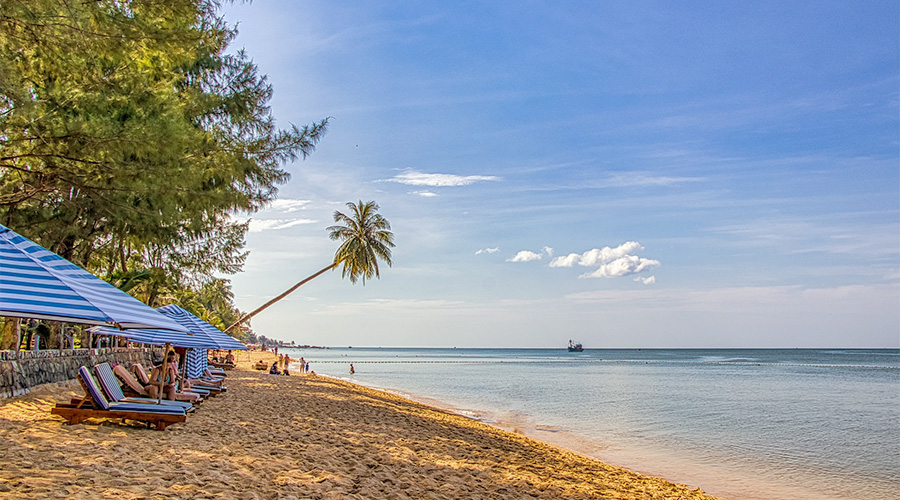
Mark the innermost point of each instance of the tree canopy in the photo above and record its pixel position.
(129, 135)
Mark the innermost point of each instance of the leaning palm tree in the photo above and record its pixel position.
(365, 237)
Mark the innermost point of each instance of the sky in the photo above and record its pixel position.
(624, 174)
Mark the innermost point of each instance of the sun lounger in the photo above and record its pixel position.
(222, 366)
(199, 384)
(113, 390)
(95, 405)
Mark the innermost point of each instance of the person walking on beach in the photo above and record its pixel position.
(302, 365)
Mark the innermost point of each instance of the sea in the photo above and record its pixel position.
(743, 424)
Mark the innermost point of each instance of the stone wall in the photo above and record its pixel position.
(22, 370)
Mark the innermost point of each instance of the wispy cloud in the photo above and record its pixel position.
(487, 250)
(287, 205)
(644, 179)
(415, 178)
(259, 225)
(610, 262)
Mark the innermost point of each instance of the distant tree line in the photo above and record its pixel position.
(129, 136)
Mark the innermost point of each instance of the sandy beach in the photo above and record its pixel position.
(297, 437)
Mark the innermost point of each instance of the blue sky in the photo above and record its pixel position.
(626, 174)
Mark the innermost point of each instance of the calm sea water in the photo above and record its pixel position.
(743, 424)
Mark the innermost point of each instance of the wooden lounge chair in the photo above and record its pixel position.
(113, 390)
(95, 405)
(221, 365)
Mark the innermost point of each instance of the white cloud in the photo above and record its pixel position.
(487, 250)
(597, 256)
(649, 280)
(414, 178)
(288, 205)
(259, 225)
(525, 256)
(528, 255)
(424, 194)
(623, 266)
(643, 179)
(610, 262)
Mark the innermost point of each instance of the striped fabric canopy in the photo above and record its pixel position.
(200, 334)
(37, 283)
(198, 327)
(154, 336)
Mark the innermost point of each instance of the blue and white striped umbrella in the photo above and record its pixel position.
(154, 336)
(198, 327)
(200, 334)
(37, 283)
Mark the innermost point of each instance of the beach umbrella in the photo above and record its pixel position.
(37, 283)
(155, 336)
(218, 339)
(199, 334)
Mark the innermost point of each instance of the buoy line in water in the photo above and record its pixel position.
(608, 361)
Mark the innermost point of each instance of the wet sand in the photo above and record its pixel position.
(298, 437)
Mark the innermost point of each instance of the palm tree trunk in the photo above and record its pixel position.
(287, 292)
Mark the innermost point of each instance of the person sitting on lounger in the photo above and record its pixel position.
(229, 359)
(170, 377)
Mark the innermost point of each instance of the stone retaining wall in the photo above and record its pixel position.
(22, 370)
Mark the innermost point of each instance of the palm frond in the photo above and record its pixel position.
(365, 238)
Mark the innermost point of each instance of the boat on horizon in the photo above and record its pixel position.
(575, 346)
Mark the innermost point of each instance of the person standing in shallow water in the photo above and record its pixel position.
(352, 371)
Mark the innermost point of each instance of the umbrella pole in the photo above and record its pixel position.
(163, 373)
(184, 368)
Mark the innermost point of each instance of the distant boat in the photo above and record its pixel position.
(575, 346)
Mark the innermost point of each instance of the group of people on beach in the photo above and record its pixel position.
(282, 364)
(226, 361)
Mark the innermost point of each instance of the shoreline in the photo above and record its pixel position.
(298, 437)
(683, 470)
